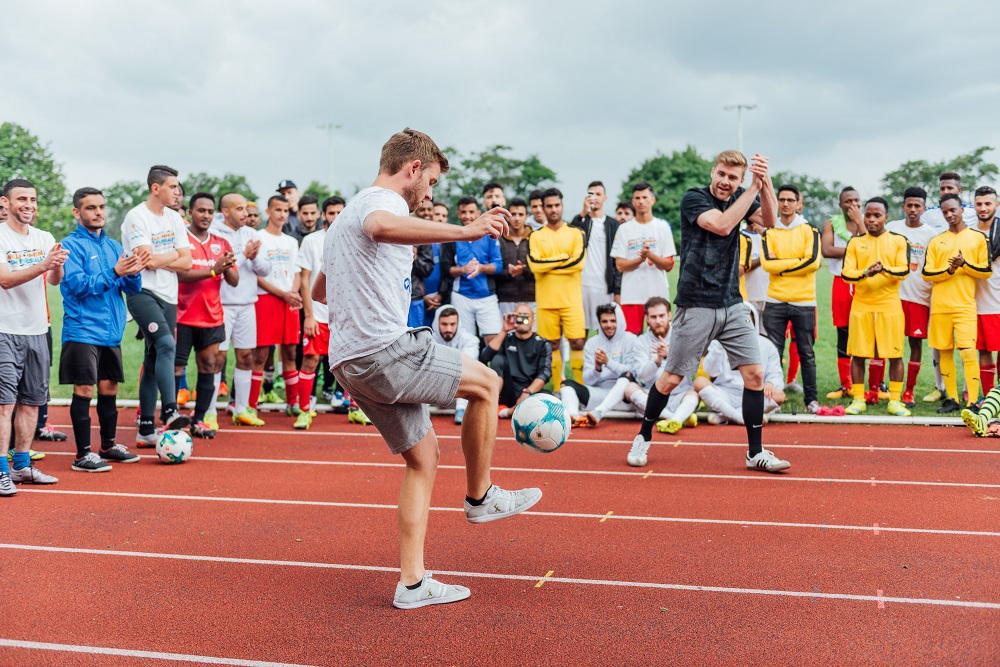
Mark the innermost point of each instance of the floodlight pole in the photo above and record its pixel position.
(739, 120)
(330, 127)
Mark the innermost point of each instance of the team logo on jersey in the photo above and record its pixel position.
(153, 327)
(216, 248)
(406, 284)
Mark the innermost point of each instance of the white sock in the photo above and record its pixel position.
(639, 399)
(571, 402)
(564, 352)
(769, 405)
(938, 380)
(716, 401)
(461, 404)
(215, 397)
(241, 389)
(687, 406)
(614, 397)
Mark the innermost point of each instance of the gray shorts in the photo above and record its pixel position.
(24, 369)
(394, 385)
(694, 328)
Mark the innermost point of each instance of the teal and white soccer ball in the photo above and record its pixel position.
(540, 423)
(174, 447)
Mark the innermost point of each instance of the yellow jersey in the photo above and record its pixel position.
(791, 255)
(878, 293)
(746, 248)
(556, 257)
(956, 292)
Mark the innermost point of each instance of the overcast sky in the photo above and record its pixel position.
(844, 90)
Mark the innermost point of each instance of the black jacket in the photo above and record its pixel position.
(423, 266)
(527, 359)
(612, 276)
(510, 289)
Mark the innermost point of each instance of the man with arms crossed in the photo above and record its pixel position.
(708, 297)
(27, 257)
(96, 275)
(392, 372)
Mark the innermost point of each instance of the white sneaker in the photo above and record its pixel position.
(637, 455)
(430, 591)
(7, 487)
(31, 475)
(767, 462)
(500, 504)
(715, 419)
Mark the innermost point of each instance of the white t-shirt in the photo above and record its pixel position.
(596, 262)
(163, 233)
(836, 264)
(757, 279)
(282, 253)
(914, 288)
(935, 218)
(311, 259)
(988, 291)
(22, 308)
(646, 280)
(367, 283)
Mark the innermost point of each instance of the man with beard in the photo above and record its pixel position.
(394, 372)
(520, 357)
(447, 332)
(988, 291)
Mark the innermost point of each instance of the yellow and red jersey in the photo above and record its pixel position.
(198, 303)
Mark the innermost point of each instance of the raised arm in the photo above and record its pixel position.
(384, 227)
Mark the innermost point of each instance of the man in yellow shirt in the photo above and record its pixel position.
(790, 253)
(875, 264)
(956, 259)
(555, 257)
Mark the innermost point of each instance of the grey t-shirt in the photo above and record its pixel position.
(367, 283)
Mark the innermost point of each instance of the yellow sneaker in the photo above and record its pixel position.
(303, 421)
(838, 394)
(668, 426)
(978, 424)
(691, 421)
(857, 406)
(211, 420)
(248, 418)
(934, 396)
(356, 416)
(897, 409)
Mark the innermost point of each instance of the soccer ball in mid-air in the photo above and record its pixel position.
(174, 447)
(540, 423)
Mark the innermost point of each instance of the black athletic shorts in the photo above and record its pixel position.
(197, 337)
(86, 364)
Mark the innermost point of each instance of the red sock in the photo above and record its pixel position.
(351, 404)
(306, 383)
(793, 361)
(876, 373)
(255, 381)
(844, 370)
(987, 375)
(912, 370)
(291, 386)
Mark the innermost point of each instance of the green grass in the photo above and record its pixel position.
(826, 356)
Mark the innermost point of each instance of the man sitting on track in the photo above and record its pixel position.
(521, 357)
(392, 372)
(876, 263)
(448, 332)
(609, 362)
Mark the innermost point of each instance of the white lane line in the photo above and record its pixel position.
(513, 577)
(565, 515)
(373, 434)
(752, 475)
(148, 655)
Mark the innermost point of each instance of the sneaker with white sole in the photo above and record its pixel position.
(119, 454)
(500, 504)
(637, 455)
(31, 475)
(150, 440)
(7, 487)
(91, 463)
(174, 420)
(715, 419)
(767, 462)
(429, 592)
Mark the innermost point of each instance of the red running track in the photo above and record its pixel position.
(277, 547)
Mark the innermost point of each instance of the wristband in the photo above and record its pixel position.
(213, 273)
(525, 391)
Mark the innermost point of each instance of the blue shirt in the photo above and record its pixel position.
(487, 251)
(433, 281)
(93, 308)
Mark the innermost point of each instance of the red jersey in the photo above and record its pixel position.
(198, 303)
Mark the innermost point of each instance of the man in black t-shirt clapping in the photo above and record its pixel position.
(522, 358)
(709, 305)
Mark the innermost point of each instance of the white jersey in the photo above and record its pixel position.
(281, 251)
(596, 261)
(935, 218)
(23, 307)
(646, 280)
(757, 279)
(716, 365)
(988, 291)
(311, 259)
(624, 355)
(367, 282)
(163, 233)
(914, 288)
(245, 291)
(648, 370)
(836, 264)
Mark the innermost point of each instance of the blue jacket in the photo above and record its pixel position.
(93, 307)
(487, 251)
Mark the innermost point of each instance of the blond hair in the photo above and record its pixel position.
(407, 146)
(732, 159)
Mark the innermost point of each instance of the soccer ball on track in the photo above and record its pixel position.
(174, 447)
(540, 423)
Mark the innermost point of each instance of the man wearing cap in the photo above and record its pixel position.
(290, 191)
